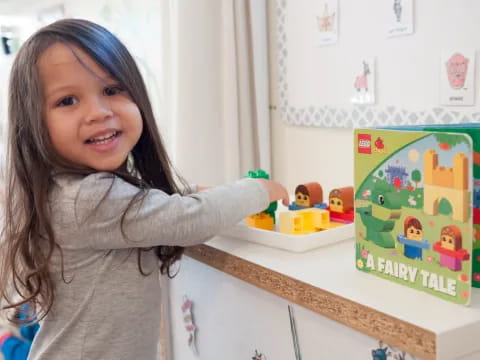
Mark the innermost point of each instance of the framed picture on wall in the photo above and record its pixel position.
(327, 22)
(399, 15)
(457, 71)
(364, 83)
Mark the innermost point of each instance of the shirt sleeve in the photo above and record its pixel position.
(156, 218)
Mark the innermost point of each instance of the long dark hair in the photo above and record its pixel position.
(31, 161)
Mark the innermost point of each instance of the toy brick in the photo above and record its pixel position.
(345, 218)
(303, 221)
(261, 174)
(261, 221)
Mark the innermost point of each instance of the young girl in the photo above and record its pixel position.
(92, 208)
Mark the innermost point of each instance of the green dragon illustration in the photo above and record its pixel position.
(379, 217)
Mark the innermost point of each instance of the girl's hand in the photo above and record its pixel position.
(276, 191)
(202, 188)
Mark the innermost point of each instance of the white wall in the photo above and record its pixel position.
(198, 133)
(302, 155)
(306, 154)
(298, 153)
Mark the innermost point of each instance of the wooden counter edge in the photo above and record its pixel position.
(395, 332)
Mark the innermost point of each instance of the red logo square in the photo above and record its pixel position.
(364, 143)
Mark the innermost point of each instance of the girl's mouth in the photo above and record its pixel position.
(103, 139)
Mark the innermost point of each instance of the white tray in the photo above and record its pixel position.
(294, 243)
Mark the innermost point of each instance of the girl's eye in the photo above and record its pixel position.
(112, 90)
(68, 101)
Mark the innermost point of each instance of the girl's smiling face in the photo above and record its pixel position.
(92, 121)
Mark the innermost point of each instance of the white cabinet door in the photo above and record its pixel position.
(234, 319)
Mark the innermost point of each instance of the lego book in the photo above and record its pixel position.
(417, 217)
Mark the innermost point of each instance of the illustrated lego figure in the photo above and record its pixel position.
(308, 195)
(457, 67)
(450, 248)
(412, 238)
(340, 204)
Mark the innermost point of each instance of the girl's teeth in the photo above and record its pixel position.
(103, 139)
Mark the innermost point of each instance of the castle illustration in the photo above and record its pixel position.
(396, 173)
(450, 183)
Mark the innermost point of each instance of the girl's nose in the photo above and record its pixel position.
(98, 109)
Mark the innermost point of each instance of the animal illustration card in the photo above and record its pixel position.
(399, 15)
(414, 209)
(327, 22)
(363, 82)
(457, 71)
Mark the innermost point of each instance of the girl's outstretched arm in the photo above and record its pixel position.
(276, 191)
(93, 207)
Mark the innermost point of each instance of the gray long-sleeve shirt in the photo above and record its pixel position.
(107, 309)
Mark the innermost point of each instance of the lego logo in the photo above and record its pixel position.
(364, 143)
